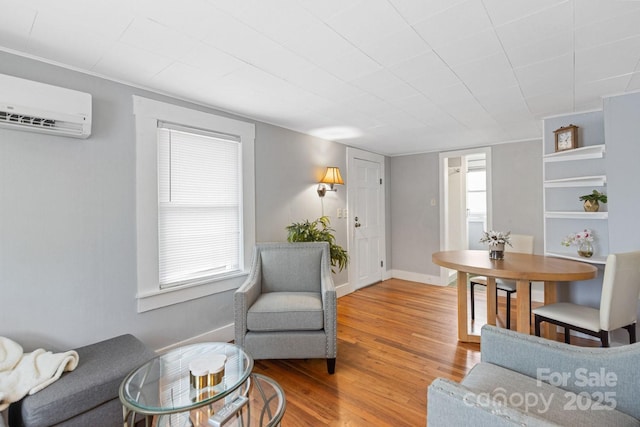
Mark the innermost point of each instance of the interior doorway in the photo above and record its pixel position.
(465, 200)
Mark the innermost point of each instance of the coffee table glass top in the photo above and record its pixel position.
(162, 385)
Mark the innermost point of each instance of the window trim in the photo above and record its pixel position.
(147, 114)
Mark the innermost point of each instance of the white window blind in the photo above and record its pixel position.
(199, 205)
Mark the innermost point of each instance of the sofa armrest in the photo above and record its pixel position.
(593, 370)
(452, 404)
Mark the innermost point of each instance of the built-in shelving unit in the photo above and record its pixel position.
(568, 175)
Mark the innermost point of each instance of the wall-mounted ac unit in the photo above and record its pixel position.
(38, 107)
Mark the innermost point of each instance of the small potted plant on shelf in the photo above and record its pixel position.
(592, 201)
(496, 241)
(582, 240)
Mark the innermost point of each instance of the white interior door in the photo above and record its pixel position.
(366, 218)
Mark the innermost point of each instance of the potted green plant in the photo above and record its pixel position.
(319, 230)
(592, 201)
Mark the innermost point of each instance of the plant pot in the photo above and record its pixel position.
(496, 252)
(591, 206)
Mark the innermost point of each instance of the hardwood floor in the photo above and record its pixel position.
(394, 339)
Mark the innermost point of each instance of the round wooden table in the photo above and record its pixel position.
(523, 268)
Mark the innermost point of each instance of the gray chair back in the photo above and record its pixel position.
(292, 267)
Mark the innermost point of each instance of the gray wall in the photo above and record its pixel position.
(517, 190)
(67, 220)
(288, 168)
(415, 224)
(622, 134)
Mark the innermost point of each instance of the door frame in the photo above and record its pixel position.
(352, 155)
(444, 213)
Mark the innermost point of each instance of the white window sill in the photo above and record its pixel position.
(164, 297)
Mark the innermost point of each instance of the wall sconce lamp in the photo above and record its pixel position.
(331, 177)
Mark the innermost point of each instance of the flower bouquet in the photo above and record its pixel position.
(583, 240)
(496, 241)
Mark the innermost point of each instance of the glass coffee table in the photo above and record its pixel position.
(265, 406)
(163, 388)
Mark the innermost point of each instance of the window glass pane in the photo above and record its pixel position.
(477, 202)
(476, 180)
(199, 206)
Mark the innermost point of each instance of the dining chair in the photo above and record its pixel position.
(520, 243)
(618, 303)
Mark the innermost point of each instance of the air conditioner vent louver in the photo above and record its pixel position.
(32, 121)
(37, 107)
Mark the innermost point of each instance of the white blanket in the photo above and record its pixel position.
(22, 374)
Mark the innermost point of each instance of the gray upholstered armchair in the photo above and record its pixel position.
(286, 309)
(532, 381)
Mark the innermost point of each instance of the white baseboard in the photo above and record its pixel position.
(416, 277)
(344, 289)
(224, 334)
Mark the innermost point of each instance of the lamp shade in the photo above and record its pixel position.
(332, 176)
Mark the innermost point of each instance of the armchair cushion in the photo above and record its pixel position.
(284, 270)
(286, 311)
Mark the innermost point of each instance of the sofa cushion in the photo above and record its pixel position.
(96, 380)
(554, 404)
(286, 311)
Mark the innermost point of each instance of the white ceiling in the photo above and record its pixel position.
(405, 76)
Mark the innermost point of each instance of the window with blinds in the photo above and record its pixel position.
(199, 205)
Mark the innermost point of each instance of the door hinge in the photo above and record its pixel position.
(380, 181)
(381, 263)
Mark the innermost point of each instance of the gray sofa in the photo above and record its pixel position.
(528, 380)
(88, 395)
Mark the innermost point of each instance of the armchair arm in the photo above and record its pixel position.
(452, 404)
(328, 290)
(577, 369)
(245, 296)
